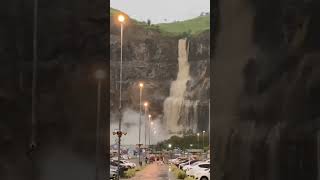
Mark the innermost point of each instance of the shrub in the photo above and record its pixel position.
(181, 174)
(178, 172)
(129, 173)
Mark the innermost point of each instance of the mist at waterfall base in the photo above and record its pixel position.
(130, 125)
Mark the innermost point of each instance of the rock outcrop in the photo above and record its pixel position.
(148, 57)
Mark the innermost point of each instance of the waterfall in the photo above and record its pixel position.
(175, 104)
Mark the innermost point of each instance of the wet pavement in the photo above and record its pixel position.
(154, 172)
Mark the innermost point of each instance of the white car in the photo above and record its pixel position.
(202, 174)
(113, 167)
(187, 167)
(187, 163)
(176, 160)
(128, 163)
(125, 163)
(113, 173)
(191, 172)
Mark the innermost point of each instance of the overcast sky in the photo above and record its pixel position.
(159, 10)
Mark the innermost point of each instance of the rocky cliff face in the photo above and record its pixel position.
(265, 90)
(198, 88)
(152, 58)
(148, 57)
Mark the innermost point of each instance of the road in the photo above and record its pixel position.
(154, 172)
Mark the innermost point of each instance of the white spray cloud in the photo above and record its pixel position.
(130, 124)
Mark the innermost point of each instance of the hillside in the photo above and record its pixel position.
(195, 25)
(192, 26)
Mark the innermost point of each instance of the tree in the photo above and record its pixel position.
(149, 22)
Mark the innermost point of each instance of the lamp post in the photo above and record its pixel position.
(121, 19)
(145, 123)
(189, 152)
(209, 126)
(203, 139)
(140, 106)
(100, 75)
(151, 125)
(198, 134)
(169, 146)
(149, 128)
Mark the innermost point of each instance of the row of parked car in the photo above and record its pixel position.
(198, 169)
(124, 166)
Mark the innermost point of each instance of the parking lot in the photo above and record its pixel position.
(171, 169)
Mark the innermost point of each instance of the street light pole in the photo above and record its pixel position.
(121, 20)
(149, 129)
(189, 152)
(169, 146)
(151, 125)
(121, 37)
(203, 139)
(209, 125)
(198, 134)
(145, 122)
(140, 106)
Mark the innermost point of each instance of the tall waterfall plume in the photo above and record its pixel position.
(174, 104)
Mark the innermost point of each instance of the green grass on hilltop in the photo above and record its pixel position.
(184, 28)
(192, 26)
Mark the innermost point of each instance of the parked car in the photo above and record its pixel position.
(128, 163)
(187, 163)
(113, 172)
(174, 161)
(122, 166)
(125, 163)
(202, 174)
(180, 162)
(191, 172)
(187, 167)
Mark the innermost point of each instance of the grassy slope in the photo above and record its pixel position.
(194, 26)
